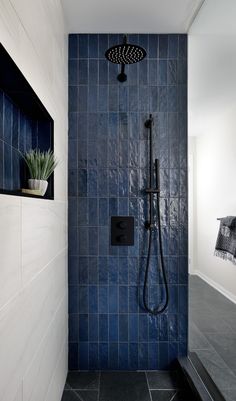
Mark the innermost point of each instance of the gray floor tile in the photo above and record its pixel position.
(87, 395)
(163, 380)
(83, 380)
(124, 386)
(70, 395)
(163, 395)
(197, 340)
(230, 395)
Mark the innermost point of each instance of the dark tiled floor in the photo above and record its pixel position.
(125, 386)
(212, 334)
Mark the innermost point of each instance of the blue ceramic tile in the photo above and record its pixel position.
(133, 356)
(163, 46)
(133, 299)
(82, 72)
(123, 270)
(93, 299)
(123, 327)
(102, 149)
(82, 95)
(73, 327)
(162, 93)
(173, 327)
(123, 355)
(103, 72)
(103, 270)
(92, 211)
(144, 98)
(103, 299)
(73, 76)
(143, 327)
(103, 356)
(73, 98)
(93, 270)
(163, 356)
(83, 45)
(133, 98)
(83, 270)
(123, 98)
(103, 183)
(174, 299)
(173, 46)
(103, 211)
(93, 72)
(93, 46)
(7, 166)
(73, 355)
(103, 328)
(92, 122)
(73, 270)
(93, 356)
(113, 299)
(173, 270)
(73, 299)
(73, 241)
(153, 50)
(83, 357)
(113, 270)
(102, 44)
(123, 126)
(73, 154)
(113, 327)
(8, 120)
(83, 240)
(172, 72)
(182, 46)
(123, 299)
(113, 98)
(133, 327)
(113, 356)
(103, 98)
(143, 73)
(93, 240)
(83, 327)
(143, 355)
(153, 356)
(73, 46)
(83, 298)
(92, 182)
(92, 98)
(113, 126)
(103, 240)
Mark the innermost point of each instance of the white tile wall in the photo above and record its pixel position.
(33, 233)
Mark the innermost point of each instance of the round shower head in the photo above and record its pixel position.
(125, 53)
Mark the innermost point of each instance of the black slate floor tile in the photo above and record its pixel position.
(163, 380)
(124, 386)
(88, 395)
(163, 395)
(83, 380)
(69, 395)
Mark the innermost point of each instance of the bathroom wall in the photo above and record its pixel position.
(212, 99)
(33, 238)
(108, 162)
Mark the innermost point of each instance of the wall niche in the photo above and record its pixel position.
(24, 124)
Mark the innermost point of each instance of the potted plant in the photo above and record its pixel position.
(41, 165)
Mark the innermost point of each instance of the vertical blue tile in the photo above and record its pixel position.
(82, 72)
(163, 356)
(143, 355)
(143, 327)
(123, 356)
(103, 328)
(82, 98)
(123, 299)
(113, 299)
(83, 45)
(103, 299)
(73, 46)
(93, 299)
(83, 270)
(93, 45)
(133, 327)
(93, 356)
(83, 327)
(73, 76)
(123, 327)
(73, 355)
(93, 240)
(83, 357)
(83, 298)
(153, 46)
(93, 270)
(103, 270)
(103, 211)
(153, 356)
(113, 328)
(113, 356)
(163, 46)
(93, 327)
(103, 356)
(173, 46)
(133, 356)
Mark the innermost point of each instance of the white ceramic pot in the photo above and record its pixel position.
(40, 185)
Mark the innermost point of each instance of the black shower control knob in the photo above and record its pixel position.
(122, 225)
(122, 238)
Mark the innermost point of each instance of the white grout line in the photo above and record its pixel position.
(150, 394)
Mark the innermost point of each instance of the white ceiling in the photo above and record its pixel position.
(130, 16)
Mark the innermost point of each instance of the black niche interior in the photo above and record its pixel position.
(24, 124)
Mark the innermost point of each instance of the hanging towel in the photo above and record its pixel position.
(226, 241)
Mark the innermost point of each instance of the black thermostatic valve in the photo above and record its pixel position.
(122, 230)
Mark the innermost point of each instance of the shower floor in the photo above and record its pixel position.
(125, 386)
(212, 334)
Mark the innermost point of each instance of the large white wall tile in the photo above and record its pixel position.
(10, 247)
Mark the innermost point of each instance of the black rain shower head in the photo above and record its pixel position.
(125, 53)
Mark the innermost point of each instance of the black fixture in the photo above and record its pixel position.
(125, 53)
(122, 230)
(154, 224)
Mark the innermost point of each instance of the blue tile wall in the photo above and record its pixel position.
(108, 159)
(18, 134)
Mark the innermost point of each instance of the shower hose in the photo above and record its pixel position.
(160, 308)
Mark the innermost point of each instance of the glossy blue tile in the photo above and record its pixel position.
(103, 356)
(102, 155)
(83, 295)
(93, 327)
(133, 299)
(113, 356)
(173, 46)
(82, 72)
(163, 46)
(113, 266)
(103, 327)
(143, 327)
(92, 182)
(133, 98)
(92, 154)
(163, 356)
(83, 357)
(113, 299)
(93, 270)
(123, 355)
(113, 327)
(92, 98)
(153, 356)
(103, 270)
(173, 327)
(83, 327)
(103, 72)
(123, 98)
(73, 355)
(102, 44)
(133, 327)
(123, 126)
(93, 356)
(93, 240)
(82, 95)
(143, 355)
(103, 299)
(73, 327)
(123, 270)
(123, 299)
(93, 45)
(93, 299)
(73, 46)
(83, 239)
(103, 211)
(83, 270)
(113, 98)
(153, 50)
(103, 98)
(103, 240)
(83, 45)
(182, 46)
(133, 356)
(73, 299)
